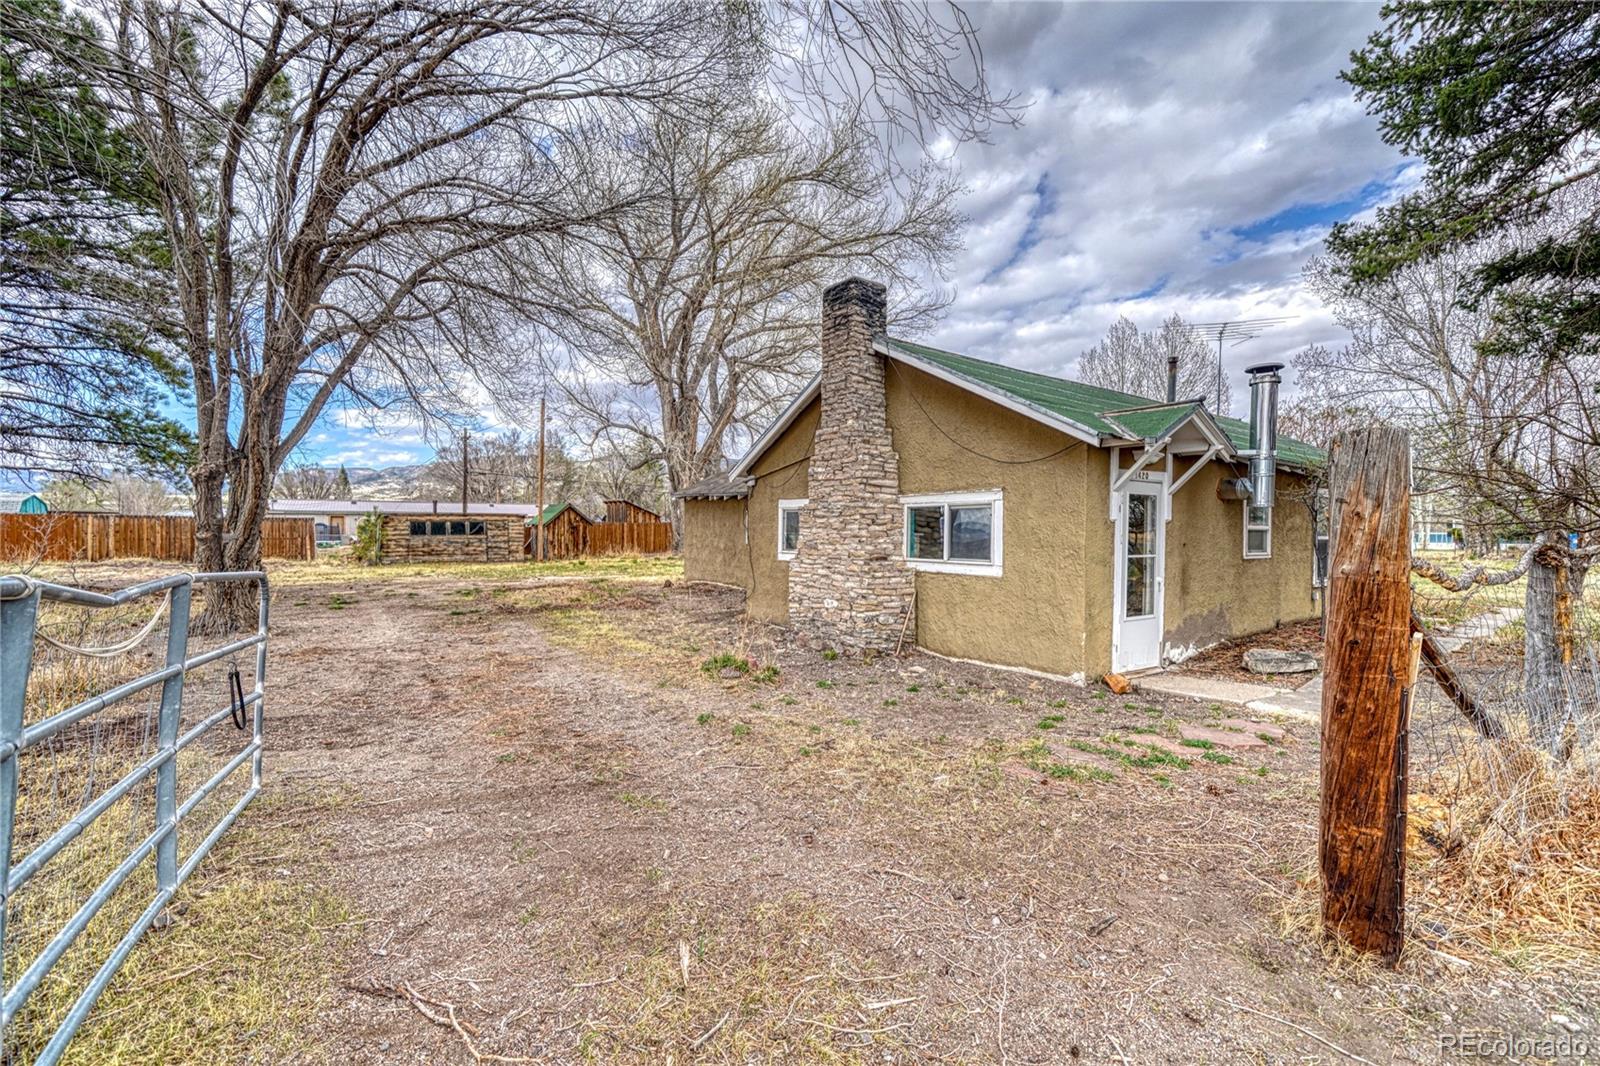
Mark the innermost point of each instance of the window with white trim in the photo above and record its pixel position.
(1257, 531)
(789, 527)
(954, 532)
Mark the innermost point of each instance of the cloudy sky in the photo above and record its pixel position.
(1175, 158)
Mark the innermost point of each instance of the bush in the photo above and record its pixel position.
(368, 546)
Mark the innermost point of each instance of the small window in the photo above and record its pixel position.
(955, 533)
(458, 529)
(789, 527)
(438, 529)
(1257, 532)
(419, 529)
(474, 529)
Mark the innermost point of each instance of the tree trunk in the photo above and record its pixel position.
(1549, 642)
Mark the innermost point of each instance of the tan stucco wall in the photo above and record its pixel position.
(780, 475)
(718, 546)
(1051, 608)
(1213, 591)
(1031, 615)
(713, 541)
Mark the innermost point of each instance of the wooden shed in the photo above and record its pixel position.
(566, 532)
(451, 538)
(628, 511)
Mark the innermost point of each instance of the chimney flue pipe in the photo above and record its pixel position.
(1172, 379)
(1264, 382)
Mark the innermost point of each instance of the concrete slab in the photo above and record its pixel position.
(1205, 689)
(1303, 704)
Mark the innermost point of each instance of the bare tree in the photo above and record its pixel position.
(696, 317)
(308, 481)
(133, 495)
(1129, 360)
(1509, 435)
(344, 186)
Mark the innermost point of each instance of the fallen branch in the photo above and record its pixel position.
(1325, 1042)
(709, 1033)
(1454, 685)
(426, 1007)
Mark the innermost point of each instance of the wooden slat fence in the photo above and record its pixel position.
(578, 539)
(626, 538)
(82, 537)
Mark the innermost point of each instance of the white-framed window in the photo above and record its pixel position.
(954, 532)
(789, 527)
(1257, 531)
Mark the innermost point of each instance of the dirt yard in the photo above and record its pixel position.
(601, 819)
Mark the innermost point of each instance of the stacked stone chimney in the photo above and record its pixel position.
(849, 586)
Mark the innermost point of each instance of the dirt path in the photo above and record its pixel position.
(561, 828)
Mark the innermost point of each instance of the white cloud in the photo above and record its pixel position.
(1156, 132)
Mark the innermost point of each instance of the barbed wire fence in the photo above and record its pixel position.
(1503, 813)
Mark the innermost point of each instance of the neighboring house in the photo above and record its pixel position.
(566, 531)
(628, 511)
(336, 519)
(988, 513)
(455, 538)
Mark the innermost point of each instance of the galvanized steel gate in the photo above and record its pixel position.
(21, 599)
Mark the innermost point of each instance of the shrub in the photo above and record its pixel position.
(368, 546)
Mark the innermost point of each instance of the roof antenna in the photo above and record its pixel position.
(1237, 332)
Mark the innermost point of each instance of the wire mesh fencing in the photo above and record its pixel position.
(1504, 779)
(127, 745)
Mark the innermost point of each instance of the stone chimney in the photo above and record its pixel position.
(849, 586)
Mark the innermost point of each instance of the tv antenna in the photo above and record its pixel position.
(1234, 333)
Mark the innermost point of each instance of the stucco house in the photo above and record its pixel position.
(987, 513)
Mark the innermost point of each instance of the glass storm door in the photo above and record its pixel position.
(1137, 641)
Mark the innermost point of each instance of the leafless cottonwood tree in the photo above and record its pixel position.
(344, 185)
(1129, 360)
(1510, 435)
(307, 481)
(349, 188)
(695, 315)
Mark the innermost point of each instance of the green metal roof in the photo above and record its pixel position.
(1152, 423)
(553, 509)
(33, 503)
(1088, 405)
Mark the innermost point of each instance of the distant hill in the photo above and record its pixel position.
(388, 483)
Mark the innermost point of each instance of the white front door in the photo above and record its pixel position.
(1136, 639)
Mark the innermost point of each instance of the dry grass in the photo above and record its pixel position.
(240, 969)
(327, 569)
(764, 983)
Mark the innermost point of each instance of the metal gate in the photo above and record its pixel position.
(68, 846)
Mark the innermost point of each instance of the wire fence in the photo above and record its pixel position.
(123, 770)
(1504, 747)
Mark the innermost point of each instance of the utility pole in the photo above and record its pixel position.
(463, 473)
(539, 544)
(1368, 680)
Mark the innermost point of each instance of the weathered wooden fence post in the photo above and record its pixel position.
(1366, 673)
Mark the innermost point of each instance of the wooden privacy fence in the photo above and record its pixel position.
(87, 538)
(572, 541)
